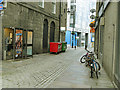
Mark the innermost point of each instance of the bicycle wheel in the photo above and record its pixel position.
(98, 65)
(96, 74)
(91, 72)
(83, 58)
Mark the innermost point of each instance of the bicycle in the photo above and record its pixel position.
(89, 60)
(94, 65)
(86, 56)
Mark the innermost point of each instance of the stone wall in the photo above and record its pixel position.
(30, 16)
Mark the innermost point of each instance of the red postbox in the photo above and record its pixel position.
(55, 47)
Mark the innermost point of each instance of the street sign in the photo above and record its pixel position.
(1, 1)
(1, 7)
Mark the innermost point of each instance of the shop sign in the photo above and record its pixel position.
(62, 29)
(92, 30)
(1, 7)
(77, 37)
(92, 37)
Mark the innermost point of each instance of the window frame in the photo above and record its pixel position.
(42, 6)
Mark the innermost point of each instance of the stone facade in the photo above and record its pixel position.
(31, 16)
(106, 39)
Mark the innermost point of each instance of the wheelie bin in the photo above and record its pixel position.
(55, 47)
(64, 46)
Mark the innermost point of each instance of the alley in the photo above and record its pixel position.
(51, 71)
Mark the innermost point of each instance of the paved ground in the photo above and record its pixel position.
(52, 71)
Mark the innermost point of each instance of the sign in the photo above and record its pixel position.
(62, 29)
(1, 1)
(1, 7)
(92, 37)
(77, 37)
(92, 30)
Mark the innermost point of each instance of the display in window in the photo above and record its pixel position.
(18, 43)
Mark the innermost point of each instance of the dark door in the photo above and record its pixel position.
(45, 36)
(52, 31)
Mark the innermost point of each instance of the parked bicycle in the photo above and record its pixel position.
(85, 57)
(90, 60)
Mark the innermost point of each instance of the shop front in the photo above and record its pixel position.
(17, 43)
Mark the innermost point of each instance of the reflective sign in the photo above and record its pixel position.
(1, 7)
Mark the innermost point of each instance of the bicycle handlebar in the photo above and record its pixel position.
(88, 51)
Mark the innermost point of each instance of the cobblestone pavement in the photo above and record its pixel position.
(50, 70)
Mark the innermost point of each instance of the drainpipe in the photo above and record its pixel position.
(1, 50)
(59, 21)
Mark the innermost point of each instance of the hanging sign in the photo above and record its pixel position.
(1, 7)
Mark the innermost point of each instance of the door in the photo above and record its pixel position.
(45, 36)
(52, 31)
(8, 44)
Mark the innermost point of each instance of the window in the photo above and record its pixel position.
(54, 6)
(73, 1)
(41, 3)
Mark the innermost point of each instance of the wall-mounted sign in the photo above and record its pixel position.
(62, 29)
(1, 7)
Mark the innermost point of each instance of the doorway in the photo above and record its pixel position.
(18, 43)
(8, 43)
(45, 36)
(52, 31)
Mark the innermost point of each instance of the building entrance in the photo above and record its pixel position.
(18, 43)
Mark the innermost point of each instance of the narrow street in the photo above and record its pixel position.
(52, 71)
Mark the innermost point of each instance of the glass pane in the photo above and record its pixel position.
(29, 37)
(29, 50)
(18, 43)
(8, 42)
(24, 43)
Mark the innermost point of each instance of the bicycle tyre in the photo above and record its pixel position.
(98, 65)
(96, 74)
(91, 72)
(81, 60)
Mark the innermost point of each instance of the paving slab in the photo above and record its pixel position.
(52, 71)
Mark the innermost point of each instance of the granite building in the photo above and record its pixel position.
(107, 38)
(28, 27)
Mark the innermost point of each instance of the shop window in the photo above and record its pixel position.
(18, 43)
(8, 43)
(29, 43)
